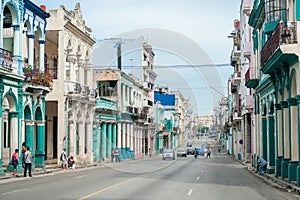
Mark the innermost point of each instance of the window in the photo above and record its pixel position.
(274, 10)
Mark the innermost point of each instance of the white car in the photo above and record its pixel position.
(168, 153)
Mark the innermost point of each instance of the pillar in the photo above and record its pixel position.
(81, 138)
(72, 139)
(278, 139)
(103, 141)
(298, 132)
(2, 173)
(96, 142)
(72, 59)
(264, 137)
(30, 50)
(42, 55)
(271, 145)
(40, 145)
(109, 140)
(286, 142)
(123, 141)
(114, 136)
(29, 138)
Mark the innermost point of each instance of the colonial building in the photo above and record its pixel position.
(22, 109)
(70, 105)
(276, 47)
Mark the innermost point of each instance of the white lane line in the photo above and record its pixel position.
(13, 192)
(80, 176)
(198, 178)
(190, 192)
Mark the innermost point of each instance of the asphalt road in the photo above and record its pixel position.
(218, 177)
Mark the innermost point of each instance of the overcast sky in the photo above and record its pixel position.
(207, 23)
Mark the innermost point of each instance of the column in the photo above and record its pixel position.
(89, 70)
(109, 140)
(40, 145)
(298, 132)
(286, 144)
(71, 139)
(81, 71)
(81, 138)
(293, 138)
(30, 50)
(42, 55)
(114, 136)
(72, 59)
(131, 141)
(278, 138)
(123, 141)
(29, 138)
(96, 142)
(103, 141)
(128, 140)
(88, 142)
(271, 145)
(119, 135)
(2, 173)
(264, 137)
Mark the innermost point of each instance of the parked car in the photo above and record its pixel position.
(181, 153)
(199, 151)
(189, 144)
(168, 153)
(190, 152)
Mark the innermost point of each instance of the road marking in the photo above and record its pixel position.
(198, 178)
(190, 192)
(107, 188)
(80, 176)
(13, 192)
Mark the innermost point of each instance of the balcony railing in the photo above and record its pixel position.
(281, 35)
(6, 59)
(38, 78)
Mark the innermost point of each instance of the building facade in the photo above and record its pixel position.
(70, 105)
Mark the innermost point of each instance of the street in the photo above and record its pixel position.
(218, 177)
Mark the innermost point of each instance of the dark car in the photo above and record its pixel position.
(181, 153)
(199, 151)
(190, 151)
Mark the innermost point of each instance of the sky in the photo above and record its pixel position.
(182, 33)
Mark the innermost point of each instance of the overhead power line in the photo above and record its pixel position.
(174, 66)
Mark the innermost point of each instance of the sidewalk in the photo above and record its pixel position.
(272, 180)
(53, 168)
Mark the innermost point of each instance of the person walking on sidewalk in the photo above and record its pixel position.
(117, 154)
(263, 164)
(28, 160)
(15, 161)
(63, 159)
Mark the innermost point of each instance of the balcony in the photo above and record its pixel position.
(248, 103)
(129, 109)
(236, 79)
(235, 54)
(279, 49)
(236, 117)
(72, 87)
(147, 103)
(251, 79)
(6, 59)
(147, 86)
(246, 6)
(34, 78)
(247, 49)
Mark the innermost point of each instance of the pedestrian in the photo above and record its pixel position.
(208, 153)
(23, 153)
(71, 162)
(112, 156)
(15, 161)
(263, 163)
(117, 154)
(63, 159)
(28, 161)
